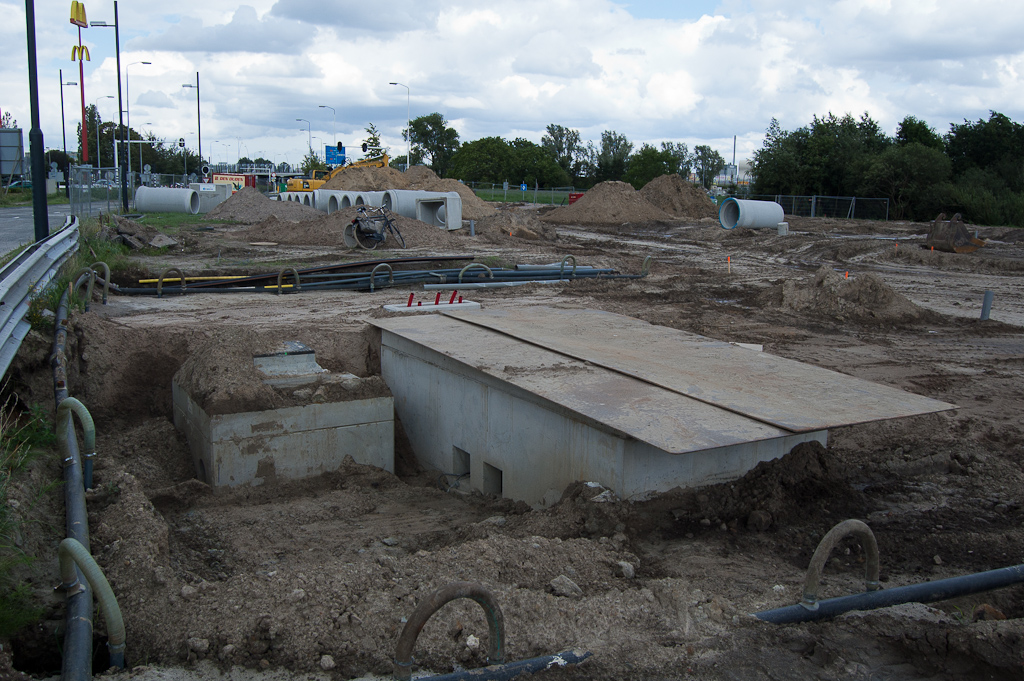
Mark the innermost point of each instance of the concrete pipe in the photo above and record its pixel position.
(307, 199)
(389, 199)
(328, 199)
(742, 213)
(374, 199)
(443, 211)
(166, 200)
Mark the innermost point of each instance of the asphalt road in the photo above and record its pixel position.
(17, 225)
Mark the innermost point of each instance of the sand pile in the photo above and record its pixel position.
(249, 206)
(676, 196)
(329, 230)
(512, 223)
(864, 297)
(418, 178)
(608, 203)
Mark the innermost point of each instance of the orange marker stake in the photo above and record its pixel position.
(728, 259)
(847, 274)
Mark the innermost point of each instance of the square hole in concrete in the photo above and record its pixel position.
(460, 462)
(492, 480)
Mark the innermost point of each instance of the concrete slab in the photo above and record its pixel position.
(782, 392)
(527, 402)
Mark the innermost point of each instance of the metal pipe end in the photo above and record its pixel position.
(91, 455)
(873, 586)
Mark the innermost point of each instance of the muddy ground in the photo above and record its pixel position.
(313, 579)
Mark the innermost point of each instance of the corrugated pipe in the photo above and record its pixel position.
(77, 648)
(75, 562)
(402, 668)
(64, 427)
(166, 200)
(928, 592)
(514, 670)
(742, 213)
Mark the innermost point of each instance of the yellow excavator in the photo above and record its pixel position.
(320, 177)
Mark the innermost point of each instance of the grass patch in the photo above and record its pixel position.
(19, 197)
(23, 437)
(172, 223)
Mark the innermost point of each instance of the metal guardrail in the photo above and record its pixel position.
(23, 277)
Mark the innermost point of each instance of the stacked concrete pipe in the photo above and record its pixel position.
(166, 200)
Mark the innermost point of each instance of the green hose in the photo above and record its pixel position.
(67, 406)
(71, 553)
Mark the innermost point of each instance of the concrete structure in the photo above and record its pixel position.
(210, 195)
(261, 447)
(527, 402)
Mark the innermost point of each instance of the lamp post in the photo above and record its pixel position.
(98, 163)
(128, 110)
(334, 121)
(120, 104)
(408, 125)
(64, 134)
(199, 125)
(309, 128)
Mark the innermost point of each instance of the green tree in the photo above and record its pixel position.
(911, 176)
(681, 160)
(776, 165)
(995, 146)
(708, 163)
(488, 159)
(311, 162)
(913, 130)
(565, 146)
(613, 157)
(535, 165)
(374, 147)
(649, 163)
(432, 139)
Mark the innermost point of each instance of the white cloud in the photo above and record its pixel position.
(685, 72)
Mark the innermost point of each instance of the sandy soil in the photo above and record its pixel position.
(312, 579)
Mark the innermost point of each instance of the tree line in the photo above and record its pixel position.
(976, 168)
(561, 159)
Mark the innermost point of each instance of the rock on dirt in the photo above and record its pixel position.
(248, 206)
(608, 203)
(680, 198)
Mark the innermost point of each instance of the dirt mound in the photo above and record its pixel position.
(363, 179)
(249, 206)
(418, 178)
(608, 203)
(329, 230)
(676, 196)
(511, 223)
(864, 297)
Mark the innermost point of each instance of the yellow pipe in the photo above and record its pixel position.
(225, 278)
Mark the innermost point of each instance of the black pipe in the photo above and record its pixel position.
(513, 670)
(928, 592)
(328, 268)
(77, 648)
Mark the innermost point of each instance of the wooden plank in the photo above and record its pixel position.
(785, 393)
(662, 418)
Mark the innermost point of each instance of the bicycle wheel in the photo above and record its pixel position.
(393, 228)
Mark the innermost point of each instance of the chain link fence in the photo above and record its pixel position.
(490, 191)
(848, 207)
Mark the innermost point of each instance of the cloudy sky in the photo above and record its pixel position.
(696, 71)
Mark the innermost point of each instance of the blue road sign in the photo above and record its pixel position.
(335, 157)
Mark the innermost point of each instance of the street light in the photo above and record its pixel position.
(128, 110)
(408, 124)
(310, 130)
(64, 134)
(98, 162)
(120, 104)
(199, 125)
(334, 121)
